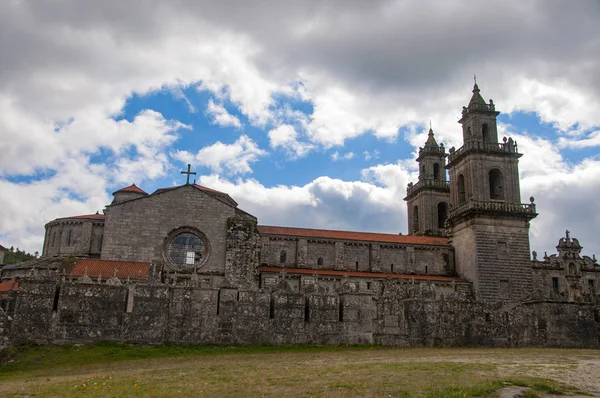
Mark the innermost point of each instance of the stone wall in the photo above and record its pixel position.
(73, 237)
(345, 255)
(137, 230)
(405, 314)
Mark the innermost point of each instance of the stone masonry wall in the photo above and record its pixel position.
(343, 255)
(136, 230)
(406, 314)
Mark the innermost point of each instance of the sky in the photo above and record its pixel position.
(308, 113)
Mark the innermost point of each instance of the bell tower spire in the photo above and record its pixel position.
(428, 199)
(488, 224)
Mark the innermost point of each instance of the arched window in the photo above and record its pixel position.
(442, 213)
(423, 171)
(485, 133)
(462, 197)
(572, 269)
(282, 257)
(320, 261)
(416, 219)
(496, 185)
(469, 133)
(436, 171)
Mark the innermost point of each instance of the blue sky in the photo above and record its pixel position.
(306, 113)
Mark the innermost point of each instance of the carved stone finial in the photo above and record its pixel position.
(534, 254)
(567, 234)
(504, 139)
(532, 199)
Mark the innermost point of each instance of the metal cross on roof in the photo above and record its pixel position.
(188, 172)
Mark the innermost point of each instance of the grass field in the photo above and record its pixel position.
(128, 371)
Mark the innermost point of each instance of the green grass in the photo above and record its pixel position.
(109, 369)
(33, 357)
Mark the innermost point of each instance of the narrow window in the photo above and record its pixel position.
(56, 297)
(555, 285)
(469, 133)
(426, 270)
(392, 268)
(442, 210)
(501, 250)
(436, 171)
(53, 238)
(218, 301)
(272, 307)
(69, 234)
(496, 185)
(282, 257)
(306, 310)
(357, 265)
(462, 197)
(485, 133)
(341, 312)
(320, 261)
(592, 285)
(368, 285)
(416, 219)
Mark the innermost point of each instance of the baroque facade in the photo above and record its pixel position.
(186, 264)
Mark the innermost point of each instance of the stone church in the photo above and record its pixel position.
(209, 272)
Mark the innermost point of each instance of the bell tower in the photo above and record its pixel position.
(428, 199)
(488, 224)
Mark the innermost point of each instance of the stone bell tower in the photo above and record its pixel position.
(488, 224)
(428, 199)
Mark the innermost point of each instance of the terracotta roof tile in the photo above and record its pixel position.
(132, 188)
(324, 272)
(106, 269)
(96, 216)
(6, 286)
(349, 235)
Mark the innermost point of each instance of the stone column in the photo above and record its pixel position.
(374, 258)
(339, 256)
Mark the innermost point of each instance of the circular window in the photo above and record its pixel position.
(186, 250)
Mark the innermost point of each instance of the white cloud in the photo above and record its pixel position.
(71, 67)
(235, 158)
(368, 155)
(591, 140)
(220, 116)
(322, 203)
(286, 137)
(337, 156)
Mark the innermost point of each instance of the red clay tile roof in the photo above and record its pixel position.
(4, 249)
(6, 286)
(325, 272)
(132, 188)
(349, 235)
(106, 269)
(96, 216)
